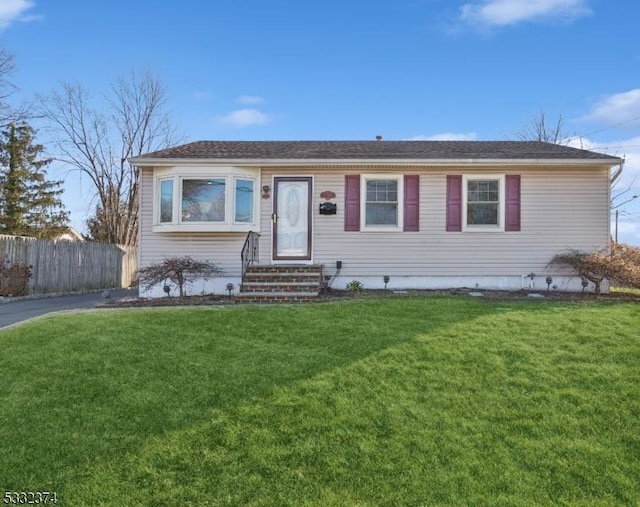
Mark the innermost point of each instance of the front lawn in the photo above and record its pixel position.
(407, 401)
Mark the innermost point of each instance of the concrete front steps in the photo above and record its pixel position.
(280, 284)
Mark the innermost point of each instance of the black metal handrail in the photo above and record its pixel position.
(249, 254)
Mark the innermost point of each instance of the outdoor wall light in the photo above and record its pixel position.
(229, 288)
(266, 189)
(385, 279)
(549, 281)
(338, 264)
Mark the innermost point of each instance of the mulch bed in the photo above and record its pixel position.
(333, 295)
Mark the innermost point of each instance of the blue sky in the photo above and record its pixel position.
(403, 69)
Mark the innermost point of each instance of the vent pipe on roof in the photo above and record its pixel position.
(378, 138)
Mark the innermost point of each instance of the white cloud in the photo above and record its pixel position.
(245, 118)
(446, 136)
(496, 13)
(249, 100)
(616, 109)
(13, 10)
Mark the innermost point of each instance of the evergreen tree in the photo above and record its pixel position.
(98, 227)
(30, 205)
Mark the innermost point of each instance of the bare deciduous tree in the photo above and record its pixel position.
(9, 113)
(6, 86)
(539, 129)
(98, 142)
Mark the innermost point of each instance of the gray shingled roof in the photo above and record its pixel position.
(370, 150)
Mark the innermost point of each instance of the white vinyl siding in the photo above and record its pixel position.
(560, 208)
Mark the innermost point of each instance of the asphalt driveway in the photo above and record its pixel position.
(25, 309)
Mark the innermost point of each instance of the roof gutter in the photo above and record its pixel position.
(161, 162)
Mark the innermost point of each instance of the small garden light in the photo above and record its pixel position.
(385, 279)
(229, 288)
(585, 282)
(167, 289)
(549, 281)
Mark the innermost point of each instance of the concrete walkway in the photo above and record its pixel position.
(25, 309)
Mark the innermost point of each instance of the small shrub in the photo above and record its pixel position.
(355, 286)
(14, 278)
(620, 265)
(624, 269)
(179, 270)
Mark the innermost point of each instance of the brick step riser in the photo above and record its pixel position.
(254, 298)
(283, 269)
(280, 284)
(244, 288)
(257, 278)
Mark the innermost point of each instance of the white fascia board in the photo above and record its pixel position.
(155, 162)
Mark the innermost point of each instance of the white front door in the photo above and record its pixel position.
(292, 218)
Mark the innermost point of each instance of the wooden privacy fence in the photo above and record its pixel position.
(70, 266)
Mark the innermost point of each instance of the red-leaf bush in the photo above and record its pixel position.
(14, 278)
(179, 270)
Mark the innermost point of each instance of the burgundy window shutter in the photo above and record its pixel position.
(352, 202)
(454, 203)
(411, 202)
(512, 203)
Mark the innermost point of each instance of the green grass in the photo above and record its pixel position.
(408, 401)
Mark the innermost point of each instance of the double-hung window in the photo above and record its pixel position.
(382, 203)
(483, 202)
(206, 199)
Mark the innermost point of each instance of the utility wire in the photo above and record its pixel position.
(597, 131)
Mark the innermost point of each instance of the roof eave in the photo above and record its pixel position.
(161, 162)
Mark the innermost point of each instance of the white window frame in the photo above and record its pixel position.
(229, 174)
(364, 178)
(499, 227)
(234, 181)
(158, 198)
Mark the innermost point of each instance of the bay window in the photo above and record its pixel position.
(205, 199)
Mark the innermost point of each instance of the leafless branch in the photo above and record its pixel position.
(9, 113)
(539, 129)
(99, 142)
